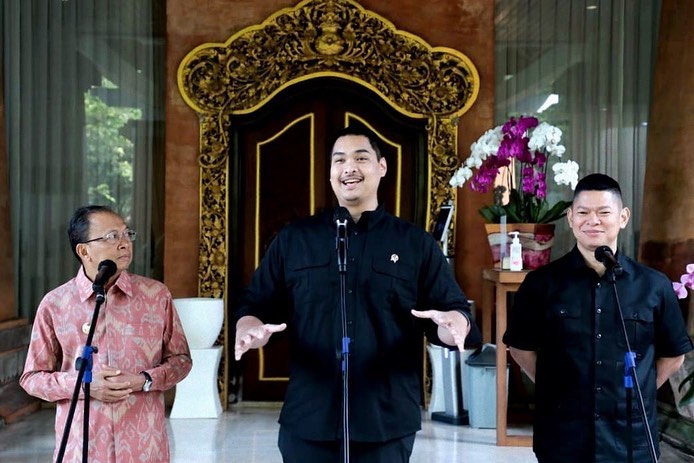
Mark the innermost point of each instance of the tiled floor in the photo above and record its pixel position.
(249, 435)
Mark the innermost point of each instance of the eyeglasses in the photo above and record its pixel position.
(115, 237)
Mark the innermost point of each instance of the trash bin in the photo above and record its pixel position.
(480, 387)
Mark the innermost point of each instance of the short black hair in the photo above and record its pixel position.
(78, 229)
(361, 130)
(598, 182)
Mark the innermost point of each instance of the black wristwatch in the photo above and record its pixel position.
(148, 382)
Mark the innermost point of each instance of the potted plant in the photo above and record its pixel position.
(682, 381)
(524, 148)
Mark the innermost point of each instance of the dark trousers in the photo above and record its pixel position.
(295, 450)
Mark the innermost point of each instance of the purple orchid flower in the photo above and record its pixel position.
(686, 282)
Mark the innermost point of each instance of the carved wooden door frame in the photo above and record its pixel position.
(316, 38)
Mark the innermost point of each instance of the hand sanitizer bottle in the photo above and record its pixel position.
(516, 254)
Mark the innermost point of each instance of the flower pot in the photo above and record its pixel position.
(202, 319)
(536, 240)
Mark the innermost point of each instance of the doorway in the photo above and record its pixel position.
(279, 171)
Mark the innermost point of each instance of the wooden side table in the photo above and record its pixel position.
(496, 284)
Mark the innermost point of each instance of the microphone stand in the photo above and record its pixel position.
(84, 366)
(631, 379)
(341, 245)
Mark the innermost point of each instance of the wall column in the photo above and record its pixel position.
(14, 332)
(667, 230)
(8, 307)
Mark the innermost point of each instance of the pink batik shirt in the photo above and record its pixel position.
(137, 330)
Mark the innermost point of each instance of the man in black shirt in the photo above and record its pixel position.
(393, 268)
(565, 332)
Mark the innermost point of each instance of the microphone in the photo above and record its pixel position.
(604, 255)
(107, 268)
(340, 218)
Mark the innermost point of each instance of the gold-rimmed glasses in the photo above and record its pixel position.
(115, 236)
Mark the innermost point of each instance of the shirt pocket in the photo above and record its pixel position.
(638, 322)
(138, 345)
(310, 278)
(393, 285)
(564, 325)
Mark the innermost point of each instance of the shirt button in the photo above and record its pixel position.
(599, 363)
(598, 285)
(349, 291)
(598, 389)
(599, 336)
(599, 310)
(597, 416)
(562, 311)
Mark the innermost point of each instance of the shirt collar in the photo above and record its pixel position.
(369, 219)
(85, 289)
(578, 263)
(576, 260)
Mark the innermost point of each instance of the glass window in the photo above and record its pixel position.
(586, 67)
(84, 86)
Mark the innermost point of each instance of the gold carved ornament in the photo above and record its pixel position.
(317, 38)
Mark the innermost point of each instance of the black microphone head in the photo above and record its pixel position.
(341, 213)
(107, 268)
(606, 257)
(602, 252)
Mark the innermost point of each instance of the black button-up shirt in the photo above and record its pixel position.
(569, 316)
(392, 267)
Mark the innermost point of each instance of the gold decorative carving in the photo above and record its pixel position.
(317, 38)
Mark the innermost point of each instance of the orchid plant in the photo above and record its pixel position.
(686, 282)
(531, 144)
(682, 288)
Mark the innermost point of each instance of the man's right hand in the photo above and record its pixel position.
(109, 385)
(251, 333)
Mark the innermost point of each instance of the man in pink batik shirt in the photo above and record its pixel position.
(142, 349)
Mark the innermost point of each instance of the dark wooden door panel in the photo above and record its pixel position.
(282, 170)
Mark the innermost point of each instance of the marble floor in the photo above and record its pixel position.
(249, 435)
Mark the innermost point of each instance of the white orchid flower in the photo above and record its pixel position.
(566, 173)
(460, 176)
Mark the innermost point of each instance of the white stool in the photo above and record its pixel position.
(197, 395)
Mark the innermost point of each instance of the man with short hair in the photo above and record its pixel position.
(142, 349)
(392, 269)
(565, 332)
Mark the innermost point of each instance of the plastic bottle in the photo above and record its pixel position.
(516, 254)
